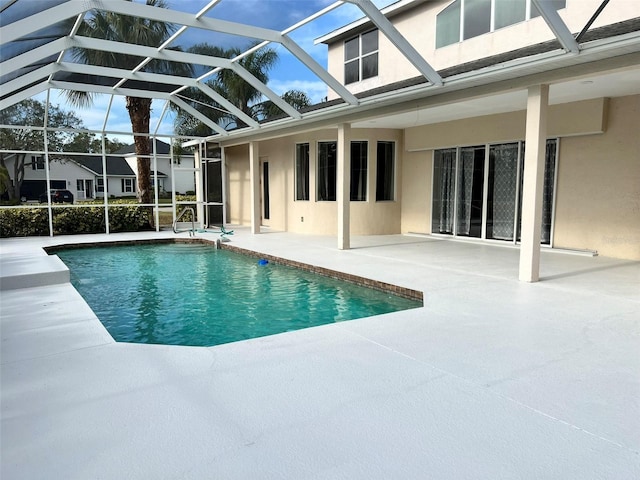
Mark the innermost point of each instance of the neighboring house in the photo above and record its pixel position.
(63, 174)
(448, 159)
(82, 174)
(182, 180)
(121, 181)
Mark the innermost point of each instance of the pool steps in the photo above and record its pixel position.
(31, 270)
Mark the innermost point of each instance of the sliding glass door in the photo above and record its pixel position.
(502, 191)
(444, 190)
(470, 196)
(477, 191)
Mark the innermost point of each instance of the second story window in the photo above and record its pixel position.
(37, 163)
(464, 19)
(361, 57)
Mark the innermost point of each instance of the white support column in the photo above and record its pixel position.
(198, 169)
(343, 180)
(533, 182)
(223, 170)
(254, 173)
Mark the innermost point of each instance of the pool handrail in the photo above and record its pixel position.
(192, 231)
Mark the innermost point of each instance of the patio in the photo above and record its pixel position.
(493, 378)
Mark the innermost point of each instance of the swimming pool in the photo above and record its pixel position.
(194, 294)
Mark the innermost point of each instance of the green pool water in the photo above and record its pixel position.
(193, 294)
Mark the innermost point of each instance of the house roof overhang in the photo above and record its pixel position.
(614, 48)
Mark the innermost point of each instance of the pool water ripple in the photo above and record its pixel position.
(192, 294)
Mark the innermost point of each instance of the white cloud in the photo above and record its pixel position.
(287, 75)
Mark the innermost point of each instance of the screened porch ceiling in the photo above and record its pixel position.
(38, 38)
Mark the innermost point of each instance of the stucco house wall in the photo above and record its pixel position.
(418, 25)
(312, 216)
(597, 191)
(597, 194)
(598, 199)
(597, 176)
(238, 185)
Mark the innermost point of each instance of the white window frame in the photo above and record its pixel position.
(394, 171)
(360, 57)
(319, 176)
(308, 172)
(128, 185)
(483, 236)
(528, 10)
(37, 162)
(366, 170)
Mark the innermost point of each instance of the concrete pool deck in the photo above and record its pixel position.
(493, 378)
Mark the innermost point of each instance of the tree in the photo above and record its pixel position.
(90, 143)
(235, 89)
(4, 179)
(296, 98)
(30, 113)
(139, 31)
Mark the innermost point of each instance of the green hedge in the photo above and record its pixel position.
(26, 222)
(23, 222)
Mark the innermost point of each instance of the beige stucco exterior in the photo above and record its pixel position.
(597, 191)
(418, 25)
(598, 199)
(598, 194)
(312, 216)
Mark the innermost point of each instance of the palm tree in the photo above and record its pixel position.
(235, 89)
(134, 30)
(296, 98)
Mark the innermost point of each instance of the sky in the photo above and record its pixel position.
(289, 73)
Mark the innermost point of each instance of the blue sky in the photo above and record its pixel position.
(288, 74)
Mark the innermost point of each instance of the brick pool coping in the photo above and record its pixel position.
(403, 292)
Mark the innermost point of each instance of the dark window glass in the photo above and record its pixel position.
(501, 191)
(448, 25)
(370, 42)
(128, 185)
(361, 49)
(352, 49)
(508, 12)
(302, 171)
(370, 66)
(470, 191)
(547, 192)
(37, 163)
(444, 191)
(477, 18)
(358, 191)
(385, 171)
(352, 72)
(265, 190)
(327, 165)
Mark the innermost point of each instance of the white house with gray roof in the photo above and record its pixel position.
(82, 174)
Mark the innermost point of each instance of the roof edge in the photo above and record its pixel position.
(389, 12)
